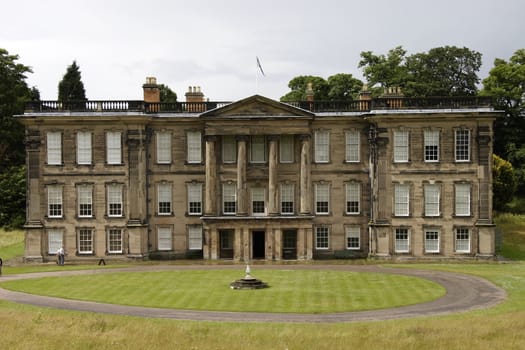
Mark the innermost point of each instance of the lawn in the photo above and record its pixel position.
(11, 244)
(289, 291)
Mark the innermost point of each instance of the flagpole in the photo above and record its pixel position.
(256, 77)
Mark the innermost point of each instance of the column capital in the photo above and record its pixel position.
(210, 138)
(305, 137)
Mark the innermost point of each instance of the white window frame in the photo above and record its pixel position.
(55, 240)
(229, 149)
(462, 244)
(54, 148)
(431, 146)
(401, 200)
(322, 194)
(432, 244)
(111, 239)
(257, 149)
(322, 146)
(353, 195)
(85, 239)
(462, 145)
(401, 146)
(402, 244)
(84, 148)
(194, 147)
(114, 147)
(258, 195)
(462, 199)
(114, 197)
(322, 237)
(229, 195)
(286, 197)
(352, 146)
(85, 198)
(164, 147)
(286, 149)
(164, 199)
(432, 194)
(195, 237)
(164, 238)
(55, 199)
(194, 198)
(353, 233)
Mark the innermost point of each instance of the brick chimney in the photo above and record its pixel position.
(151, 90)
(393, 96)
(194, 94)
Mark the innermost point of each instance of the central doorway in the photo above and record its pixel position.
(258, 244)
(290, 244)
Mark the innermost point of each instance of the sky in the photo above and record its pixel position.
(214, 44)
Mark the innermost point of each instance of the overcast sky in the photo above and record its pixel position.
(213, 44)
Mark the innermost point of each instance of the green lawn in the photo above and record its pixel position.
(11, 244)
(290, 290)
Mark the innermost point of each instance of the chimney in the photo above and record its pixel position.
(309, 92)
(394, 97)
(151, 90)
(194, 94)
(365, 96)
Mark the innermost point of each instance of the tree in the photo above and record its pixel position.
(442, 71)
(13, 194)
(504, 182)
(298, 86)
(167, 95)
(343, 87)
(71, 88)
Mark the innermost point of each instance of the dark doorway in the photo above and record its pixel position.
(290, 245)
(226, 244)
(258, 245)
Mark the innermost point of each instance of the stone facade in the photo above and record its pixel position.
(258, 179)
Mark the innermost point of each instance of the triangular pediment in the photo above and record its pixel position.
(257, 107)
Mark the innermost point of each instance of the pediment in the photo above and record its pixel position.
(257, 107)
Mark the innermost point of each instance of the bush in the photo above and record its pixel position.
(13, 197)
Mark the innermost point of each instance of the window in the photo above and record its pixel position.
(163, 148)
(113, 147)
(462, 145)
(352, 146)
(322, 198)
(431, 241)
(462, 196)
(85, 241)
(401, 200)
(431, 139)
(353, 195)
(115, 241)
(164, 238)
(462, 240)
(85, 201)
(164, 199)
(54, 201)
(401, 146)
(114, 200)
(322, 146)
(54, 240)
(258, 201)
(432, 199)
(321, 237)
(229, 149)
(84, 147)
(286, 149)
(195, 237)
(194, 147)
(229, 198)
(257, 149)
(287, 199)
(54, 148)
(402, 240)
(194, 199)
(353, 237)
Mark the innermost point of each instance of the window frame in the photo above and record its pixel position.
(256, 194)
(85, 197)
(352, 146)
(322, 191)
(84, 148)
(431, 147)
(229, 191)
(462, 200)
(322, 243)
(53, 245)
(287, 191)
(54, 147)
(164, 238)
(55, 196)
(164, 147)
(352, 233)
(352, 196)
(398, 246)
(459, 241)
(82, 240)
(111, 240)
(194, 195)
(196, 232)
(194, 147)
(257, 149)
(462, 149)
(401, 207)
(432, 201)
(227, 142)
(164, 199)
(114, 148)
(322, 146)
(114, 193)
(286, 149)
(401, 146)
(431, 241)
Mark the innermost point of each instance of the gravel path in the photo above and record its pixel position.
(464, 293)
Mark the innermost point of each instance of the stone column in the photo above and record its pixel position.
(278, 240)
(246, 241)
(305, 175)
(273, 208)
(237, 244)
(301, 238)
(242, 192)
(206, 248)
(210, 196)
(214, 244)
(309, 243)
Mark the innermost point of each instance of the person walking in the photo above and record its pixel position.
(60, 254)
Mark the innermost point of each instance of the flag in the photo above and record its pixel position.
(260, 67)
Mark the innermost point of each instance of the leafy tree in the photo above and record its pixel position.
(343, 87)
(13, 194)
(504, 182)
(385, 71)
(299, 84)
(166, 94)
(71, 88)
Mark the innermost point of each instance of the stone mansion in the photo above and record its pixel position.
(259, 179)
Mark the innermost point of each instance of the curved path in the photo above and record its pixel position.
(463, 293)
